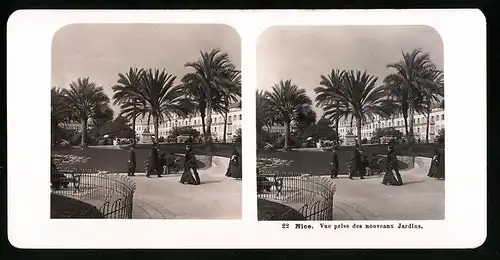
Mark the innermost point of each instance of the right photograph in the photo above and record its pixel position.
(350, 123)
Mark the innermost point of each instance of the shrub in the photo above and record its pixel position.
(440, 136)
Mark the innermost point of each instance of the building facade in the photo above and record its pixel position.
(234, 119)
(419, 125)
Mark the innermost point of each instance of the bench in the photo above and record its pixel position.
(60, 178)
(264, 183)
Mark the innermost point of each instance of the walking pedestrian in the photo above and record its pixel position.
(131, 161)
(334, 164)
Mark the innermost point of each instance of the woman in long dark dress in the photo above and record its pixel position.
(434, 168)
(189, 164)
(234, 168)
(391, 165)
(440, 169)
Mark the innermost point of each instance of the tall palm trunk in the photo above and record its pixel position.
(358, 129)
(411, 115)
(133, 121)
(287, 134)
(225, 120)
(337, 122)
(156, 122)
(405, 118)
(428, 123)
(208, 121)
(84, 133)
(202, 115)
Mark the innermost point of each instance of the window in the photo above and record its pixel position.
(418, 120)
(442, 117)
(437, 118)
(398, 123)
(234, 117)
(215, 120)
(432, 128)
(240, 116)
(432, 118)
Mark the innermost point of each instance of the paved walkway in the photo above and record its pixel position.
(218, 197)
(420, 198)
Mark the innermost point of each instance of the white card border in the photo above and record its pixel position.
(29, 35)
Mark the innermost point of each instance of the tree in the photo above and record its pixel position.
(409, 72)
(433, 88)
(231, 88)
(158, 96)
(129, 104)
(117, 128)
(264, 114)
(87, 102)
(184, 130)
(328, 102)
(440, 136)
(387, 131)
(237, 137)
(355, 95)
(325, 131)
(204, 85)
(60, 112)
(305, 119)
(287, 101)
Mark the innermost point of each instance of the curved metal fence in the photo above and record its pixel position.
(108, 195)
(312, 196)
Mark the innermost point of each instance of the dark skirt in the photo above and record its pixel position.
(433, 169)
(234, 170)
(389, 177)
(187, 177)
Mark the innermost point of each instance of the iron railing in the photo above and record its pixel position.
(312, 196)
(111, 194)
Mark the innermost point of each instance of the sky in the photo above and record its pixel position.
(304, 53)
(101, 51)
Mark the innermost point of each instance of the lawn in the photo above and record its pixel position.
(112, 160)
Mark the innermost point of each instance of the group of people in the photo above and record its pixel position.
(160, 165)
(360, 166)
(156, 163)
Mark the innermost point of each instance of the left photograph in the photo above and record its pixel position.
(146, 122)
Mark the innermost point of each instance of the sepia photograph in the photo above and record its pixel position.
(146, 122)
(350, 123)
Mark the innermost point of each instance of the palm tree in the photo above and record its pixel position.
(433, 88)
(204, 85)
(263, 112)
(355, 95)
(158, 97)
(330, 106)
(60, 111)
(231, 88)
(287, 101)
(128, 104)
(87, 102)
(409, 72)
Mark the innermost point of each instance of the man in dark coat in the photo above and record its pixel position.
(131, 161)
(334, 163)
(154, 161)
(357, 164)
